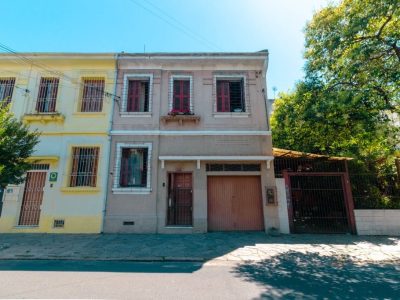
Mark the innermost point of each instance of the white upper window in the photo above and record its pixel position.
(181, 94)
(231, 94)
(137, 94)
(132, 168)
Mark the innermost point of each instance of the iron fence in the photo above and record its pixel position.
(371, 191)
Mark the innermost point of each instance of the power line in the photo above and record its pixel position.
(179, 25)
(50, 70)
(26, 89)
(183, 25)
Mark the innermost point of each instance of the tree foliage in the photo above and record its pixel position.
(17, 143)
(356, 46)
(349, 100)
(351, 91)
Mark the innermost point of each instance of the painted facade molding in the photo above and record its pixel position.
(192, 132)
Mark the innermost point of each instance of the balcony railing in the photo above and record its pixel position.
(180, 117)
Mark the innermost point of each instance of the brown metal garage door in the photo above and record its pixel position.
(234, 203)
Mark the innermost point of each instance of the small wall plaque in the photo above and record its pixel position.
(53, 176)
(270, 192)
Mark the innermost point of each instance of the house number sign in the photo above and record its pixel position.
(53, 176)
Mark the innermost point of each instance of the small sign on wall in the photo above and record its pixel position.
(53, 176)
(270, 192)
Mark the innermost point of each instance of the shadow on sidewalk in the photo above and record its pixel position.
(295, 275)
(98, 266)
(157, 247)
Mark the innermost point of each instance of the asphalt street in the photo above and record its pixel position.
(122, 280)
(291, 276)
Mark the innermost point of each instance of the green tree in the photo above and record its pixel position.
(333, 122)
(355, 46)
(351, 91)
(350, 96)
(17, 143)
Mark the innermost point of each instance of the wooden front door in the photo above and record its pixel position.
(180, 200)
(234, 203)
(32, 199)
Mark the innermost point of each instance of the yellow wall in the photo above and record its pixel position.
(81, 208)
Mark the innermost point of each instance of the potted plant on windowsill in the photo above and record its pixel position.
(176, 112)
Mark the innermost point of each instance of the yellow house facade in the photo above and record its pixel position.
(69, 99)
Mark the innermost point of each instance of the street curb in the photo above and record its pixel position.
(138, 259)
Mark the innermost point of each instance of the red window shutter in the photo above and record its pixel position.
(133, 104)
(223, 97)
(124, 172)
(176, 97)
(181, 95)
(185, 95)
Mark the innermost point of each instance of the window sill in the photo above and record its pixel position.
(43, 117)
(138, 191)
(180, 118)
(135, 114)
(231, 115)
(26, 227)
(89, 114)
(82, 189)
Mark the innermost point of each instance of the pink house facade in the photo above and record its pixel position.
(191, 147)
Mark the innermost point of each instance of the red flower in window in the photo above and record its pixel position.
(175, 112)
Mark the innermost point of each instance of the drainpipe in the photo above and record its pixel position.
(264, 91)
(157, 171)
(116, 56)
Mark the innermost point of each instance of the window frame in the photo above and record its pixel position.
(117, 189)
(41, 79)
(125, 88)
(80, 104)
(171, 91)
(96, 167)
(231, 77)
(14, 80)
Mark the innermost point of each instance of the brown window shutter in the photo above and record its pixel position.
(100, 94)
(74, 170)
(54, 91)
(95, 161)
(85, 96)
(8, 88)
(41, 94)
(92, 96)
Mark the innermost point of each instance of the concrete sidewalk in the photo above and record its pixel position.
(196, 247)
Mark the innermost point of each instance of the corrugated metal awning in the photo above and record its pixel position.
(277, 152)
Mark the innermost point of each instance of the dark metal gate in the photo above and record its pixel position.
(32, 199)
(319, 203)
(180, 200)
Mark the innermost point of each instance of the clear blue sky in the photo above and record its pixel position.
(165, 26)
